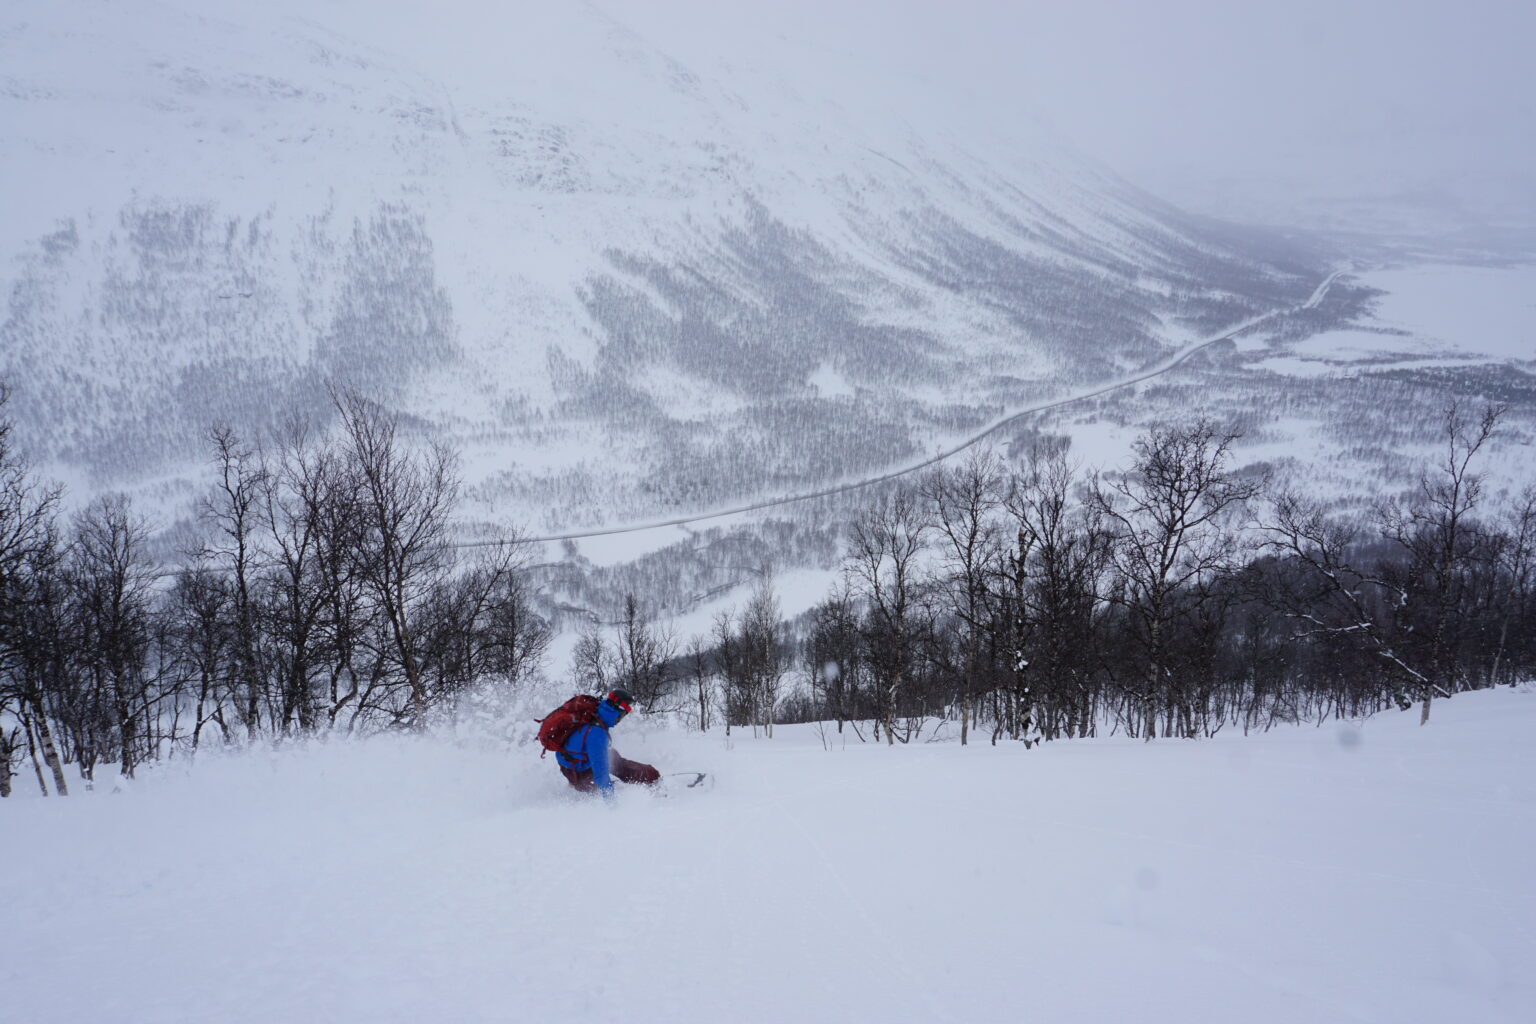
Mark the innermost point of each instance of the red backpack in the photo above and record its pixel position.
(556, 727)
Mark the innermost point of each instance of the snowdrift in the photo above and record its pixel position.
(1374, 871)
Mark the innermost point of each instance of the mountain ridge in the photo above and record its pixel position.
(540, 275)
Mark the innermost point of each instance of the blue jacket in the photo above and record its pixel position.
(587, 749)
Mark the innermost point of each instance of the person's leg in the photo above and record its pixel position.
(579, 780)
(626, 770)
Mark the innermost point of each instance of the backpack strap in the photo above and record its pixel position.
(584, 763)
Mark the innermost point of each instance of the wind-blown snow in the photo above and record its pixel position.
(1375, 872)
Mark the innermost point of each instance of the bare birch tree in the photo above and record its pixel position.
(112, 581)
(1437, 532)
(1170, 516)
(963, 502)
(406, 499)
(886, 541)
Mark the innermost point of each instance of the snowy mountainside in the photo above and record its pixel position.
(1340, 870)
(616, 280)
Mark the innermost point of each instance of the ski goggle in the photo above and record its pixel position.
(621, 705)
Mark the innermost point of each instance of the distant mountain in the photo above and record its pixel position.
(621, 283)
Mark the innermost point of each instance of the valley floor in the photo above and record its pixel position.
(1349, 872)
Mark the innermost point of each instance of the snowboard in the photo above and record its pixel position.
(686, 782)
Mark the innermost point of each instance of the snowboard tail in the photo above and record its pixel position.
(690, 780)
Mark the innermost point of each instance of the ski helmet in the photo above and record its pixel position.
(621, 700)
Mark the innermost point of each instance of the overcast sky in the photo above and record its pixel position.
(1222, 103)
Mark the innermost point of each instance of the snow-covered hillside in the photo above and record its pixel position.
(617, 280)
(1372, 871)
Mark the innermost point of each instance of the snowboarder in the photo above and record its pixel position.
(587, 758)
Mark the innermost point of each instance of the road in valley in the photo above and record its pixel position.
(1156, 370)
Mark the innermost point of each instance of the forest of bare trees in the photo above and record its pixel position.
(1172, 599)
(1038, 600)
(1026, 600)
(325, 596)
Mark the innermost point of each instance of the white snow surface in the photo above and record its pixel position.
(1443, 315)
(1348, 872)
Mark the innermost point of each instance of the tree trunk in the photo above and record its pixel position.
(890, 717)
(129, 738)
(37, 764)
(50, 751)
(7, 746)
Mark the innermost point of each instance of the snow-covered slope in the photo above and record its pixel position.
(1372, 872)
(615, 278)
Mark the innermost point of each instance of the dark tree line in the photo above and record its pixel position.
(1028, 601)
(325, 596)
(1172, 599)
